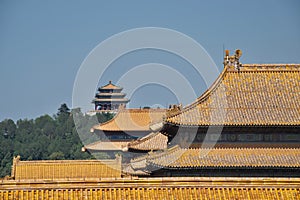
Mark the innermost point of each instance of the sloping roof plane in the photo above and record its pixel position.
(132, 120)
(262, 94)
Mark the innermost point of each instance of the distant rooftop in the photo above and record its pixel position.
(132, 120)
(110, 86)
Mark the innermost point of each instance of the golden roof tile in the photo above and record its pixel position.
(110, 86)
(107, 146)
(155, 188)
(66, 169)
(177, 157)
(257, 94)
(132, 120)
(152, 141)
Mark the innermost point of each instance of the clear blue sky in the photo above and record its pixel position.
(43, 43)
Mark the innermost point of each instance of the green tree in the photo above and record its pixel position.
(48, 137)
(46, 124)
(103, 117)
(63, 109)
(57, 156)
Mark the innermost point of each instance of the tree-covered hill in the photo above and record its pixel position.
(44, 138)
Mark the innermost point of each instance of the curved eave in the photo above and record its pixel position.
(106, 95)
(111, 100)
(98, 126)
(106, 146)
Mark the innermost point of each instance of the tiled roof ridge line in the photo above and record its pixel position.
(170, 150)
(143, 139)
(206, 94)
(124, 110)
(110, 83)
(232, 166)
(248, 124)
(271, 65)
(151, 160)
(155, 155)
(226, 70)
(64, 161)
(219, 167)
(178, 148)
(244, 69)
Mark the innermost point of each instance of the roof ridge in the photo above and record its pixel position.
(142, 139)
(206, 94)
(66, 161)
(110, 83)
(158, 154)
(152, 142)
(271, 65)
(234, 85)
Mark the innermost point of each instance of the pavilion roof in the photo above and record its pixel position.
(132, 120)
(256, 94)
(110, 86)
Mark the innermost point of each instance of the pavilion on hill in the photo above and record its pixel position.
(109, 98)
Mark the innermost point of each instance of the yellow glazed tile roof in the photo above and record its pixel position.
(153, 189)
(177, 157)
(66, 169)
(262, 94)
(154, 193)
(132, 120)
(110, 86)
(152, 141)
(106, 146)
